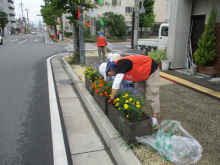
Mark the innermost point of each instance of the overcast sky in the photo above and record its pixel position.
(33, 6)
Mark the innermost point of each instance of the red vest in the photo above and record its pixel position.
(141, 68)
(101, 41)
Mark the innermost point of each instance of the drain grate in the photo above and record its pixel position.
(65, 82)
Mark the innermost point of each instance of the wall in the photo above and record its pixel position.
(178, 32)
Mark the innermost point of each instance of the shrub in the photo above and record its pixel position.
(67, 34)
(158, 55)
(102, 87)
(129, 103)
(92, 72)
(206, 53)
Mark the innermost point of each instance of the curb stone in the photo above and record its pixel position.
(122, 155)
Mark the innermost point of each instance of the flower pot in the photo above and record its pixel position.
(102, 102)
(129, 130)
(88, 86)
(165, 65)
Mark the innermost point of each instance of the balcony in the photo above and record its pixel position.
(11, 8)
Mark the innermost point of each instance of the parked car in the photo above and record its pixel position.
(33, 32)
(1, 40)
(146, 45)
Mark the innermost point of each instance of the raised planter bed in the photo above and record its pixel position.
(102, 102)
(128, 129)
(88, 86)
(213, 71)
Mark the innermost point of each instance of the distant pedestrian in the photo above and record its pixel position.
(101, 45)
(58, 34)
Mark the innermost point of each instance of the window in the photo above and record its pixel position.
(116, 2)
(164, 31)
(129, 10)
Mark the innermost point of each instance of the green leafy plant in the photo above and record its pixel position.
(91, 72)
(129, 103)
(102, 87)
(158, 55)
(71, 58)
(206, 53)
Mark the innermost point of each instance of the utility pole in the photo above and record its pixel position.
(22, 30)
(136, 22)
(81, 38)
(27, 10)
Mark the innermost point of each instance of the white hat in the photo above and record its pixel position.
(114, 57)
(102, 70)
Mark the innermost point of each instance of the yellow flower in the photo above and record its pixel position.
(96, 78)
(126, 101)
(126, 95)
(127, 116)
(90, 80)
(110, 95)
(91, 64)
(117, 104)
(130, 99)
(137, 103)
(138, 106)
(126, 106)
(119, 108)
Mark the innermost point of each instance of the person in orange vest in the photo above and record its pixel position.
(101, 45)
(58, 34)
(138, 68)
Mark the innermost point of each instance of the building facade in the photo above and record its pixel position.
(7, 6)
(188, 19)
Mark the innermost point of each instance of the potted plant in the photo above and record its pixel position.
(127, 115)
(160, 56)
(102, 90)
(91, 74)
(206, 55)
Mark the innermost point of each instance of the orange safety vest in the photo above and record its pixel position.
(101, 41)
(141, 67)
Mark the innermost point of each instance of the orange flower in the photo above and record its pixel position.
(103, 90)
(95, 87)
(100, 78)
(107, 87)
(101, 94)
(101, 81)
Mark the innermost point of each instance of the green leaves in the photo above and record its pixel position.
(3, 19)
(206, 53)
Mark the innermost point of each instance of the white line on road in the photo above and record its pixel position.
(22, 41)
(36, 40)
(59, 151)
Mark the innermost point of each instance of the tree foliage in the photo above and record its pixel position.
(115, 23)
(3, 20)
(71, 7)
(206, 53)
(147, 19)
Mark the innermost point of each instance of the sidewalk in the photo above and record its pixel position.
(92, 138)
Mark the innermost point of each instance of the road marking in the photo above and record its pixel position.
(192, 85)
(36, 40)
(22, 41)
(59, 151)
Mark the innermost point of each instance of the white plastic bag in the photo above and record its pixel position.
(109, 47)
(173, 143)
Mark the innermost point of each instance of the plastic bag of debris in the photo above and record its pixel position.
(173, 143)
(109, 47)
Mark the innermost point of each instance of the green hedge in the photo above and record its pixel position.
(67, 34)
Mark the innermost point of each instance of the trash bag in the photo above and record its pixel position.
(109, 47)
(173, 143)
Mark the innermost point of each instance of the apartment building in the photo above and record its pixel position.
(8, 7)
(126, 8)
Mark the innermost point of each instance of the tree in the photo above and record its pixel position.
(50, 13)
(206, 53)
(71, 7)
(3, 21)
(115, 23)
(147, 19)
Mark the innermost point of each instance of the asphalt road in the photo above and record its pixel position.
(25, 136)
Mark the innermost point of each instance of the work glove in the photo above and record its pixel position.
(111, 100)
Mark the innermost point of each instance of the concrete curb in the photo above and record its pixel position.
(114, 141)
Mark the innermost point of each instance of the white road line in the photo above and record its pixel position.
(22, 41)
(36, 40)
(59, 151)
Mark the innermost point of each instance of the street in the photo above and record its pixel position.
(25, 136)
